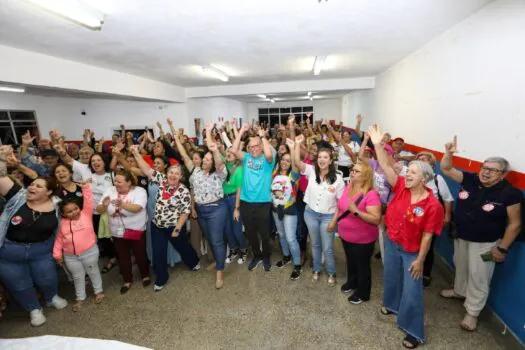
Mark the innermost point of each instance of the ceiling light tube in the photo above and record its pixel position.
(272, 100)
(261, 96)
(73, 10)
(215, 73)
(318, 64)
(11, 89)
(309, 93)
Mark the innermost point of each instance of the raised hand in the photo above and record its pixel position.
(299, 139)
(170, 122)
(12, 160)
(290, 143)
(209, 126)
(291, 119)
(60, 149)
(134, 149)
(27, 139)
(212, 146)
(375, 134)
(261, 132)
(359, 118)
(452, 147)
(245, 127)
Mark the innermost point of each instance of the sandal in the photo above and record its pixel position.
(469, 323)
(410, 342)
(146, 282)
(124, 289)
(98, 298)
(108, 267)
(77, 306)
(450, 294)
(386, 312)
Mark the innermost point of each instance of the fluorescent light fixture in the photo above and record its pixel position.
(311, 98)
(309, 93)
(318, 64)
(261, 96)
(11, 89)
(272, 100)
(215, 73)
(73, 10)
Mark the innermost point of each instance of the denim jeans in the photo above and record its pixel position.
(26, 265)
(212, 219)
(322, 240)
(159, 242)
(302, 229)
(402, 294)
(233, 228)
(286, 228)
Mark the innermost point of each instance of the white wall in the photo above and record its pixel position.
(327, 109)
(103, 115)
(354, 103)
(468, 82)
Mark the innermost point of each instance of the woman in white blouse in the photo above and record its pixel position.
(325, 187)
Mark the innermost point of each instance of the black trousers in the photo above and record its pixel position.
(256, 220)
(429, 259)
(302, 229)
(358, 270)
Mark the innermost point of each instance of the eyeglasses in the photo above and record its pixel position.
(254, 146)
(355, 171)
(491, 171)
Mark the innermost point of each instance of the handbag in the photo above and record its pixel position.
(347, 212)
(129, 233)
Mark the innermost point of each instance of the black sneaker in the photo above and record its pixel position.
(282, 263)
(254, 263)
(345, 288)
(296, 273)
(354, 299)
(231, 257)
(426, 282)
(267, 265)
(377, 255)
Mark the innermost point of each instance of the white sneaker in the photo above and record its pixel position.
(37, 317)
(57, 302)
(157, 288)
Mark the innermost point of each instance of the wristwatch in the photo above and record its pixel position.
(177, 230)
(502, 250)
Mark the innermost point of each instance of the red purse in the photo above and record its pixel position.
(129, 233)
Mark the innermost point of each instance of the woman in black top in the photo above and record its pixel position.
(27, 229)
(63, 174)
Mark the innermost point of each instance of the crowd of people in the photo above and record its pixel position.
(130, 201)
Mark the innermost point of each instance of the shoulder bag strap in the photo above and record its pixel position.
(347, 212)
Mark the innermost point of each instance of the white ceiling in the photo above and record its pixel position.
(292, 96)
(252, 40)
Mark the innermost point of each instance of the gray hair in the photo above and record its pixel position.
(503, 163)
(426, 170)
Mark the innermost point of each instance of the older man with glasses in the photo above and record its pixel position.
(488, 221)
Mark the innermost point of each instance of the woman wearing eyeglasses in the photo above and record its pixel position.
(488, 218)
(359, 210)
(412, 218)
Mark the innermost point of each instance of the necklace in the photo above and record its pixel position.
(36, 215)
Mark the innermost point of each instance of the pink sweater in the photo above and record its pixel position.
(76, 236)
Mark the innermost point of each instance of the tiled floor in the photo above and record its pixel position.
(255, 310)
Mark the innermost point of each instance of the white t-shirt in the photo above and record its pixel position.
(99, 183)
(123, 219)
(444, 191)
(322, 198)
(343, 157)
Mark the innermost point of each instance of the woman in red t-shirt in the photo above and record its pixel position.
(413, 216)
(358, 230)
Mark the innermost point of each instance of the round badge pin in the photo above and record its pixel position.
(418, 211)
(463, 195)
(488, 207)
(16, 220)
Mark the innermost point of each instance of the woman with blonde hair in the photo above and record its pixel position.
(359, 214)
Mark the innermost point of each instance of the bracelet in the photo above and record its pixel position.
(502, 250)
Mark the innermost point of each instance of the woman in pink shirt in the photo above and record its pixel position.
(76, 245)
(359, 214)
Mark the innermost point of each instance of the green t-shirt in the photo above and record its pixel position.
(235, 181)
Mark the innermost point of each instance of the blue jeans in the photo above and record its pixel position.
(322, 240)
(287, 235)
(402, 294)
(159, 243)
(233, 228)
(26, 265)
(212, 219)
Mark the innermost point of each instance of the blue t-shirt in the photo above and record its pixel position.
(257, 179)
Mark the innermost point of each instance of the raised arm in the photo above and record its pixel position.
(377, 139)
(219, 164)
(236, 144)
(361, 154)
(180, 147)
(358, 131)
(5, 182)
(446, 161)
(14, 162)
(146, 169)
(267, 149)
(297, 153)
